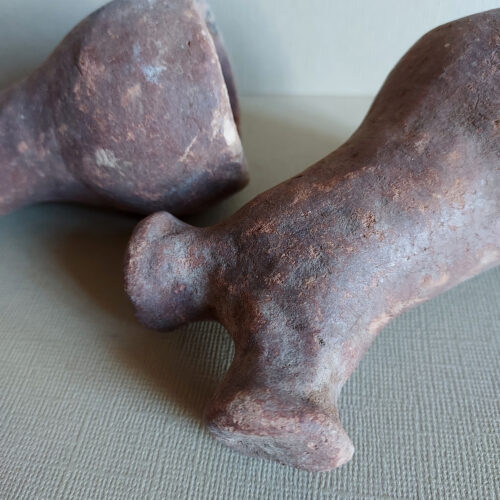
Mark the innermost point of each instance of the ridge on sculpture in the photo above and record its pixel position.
(305, 275)
(135, 109)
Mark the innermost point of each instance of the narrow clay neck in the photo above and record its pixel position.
(31, 167)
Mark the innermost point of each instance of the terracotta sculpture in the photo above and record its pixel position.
(132, 110)
(305, 275)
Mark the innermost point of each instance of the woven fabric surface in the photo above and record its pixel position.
(92, 405)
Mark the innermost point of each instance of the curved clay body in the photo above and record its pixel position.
(305, 275)
(132, 110)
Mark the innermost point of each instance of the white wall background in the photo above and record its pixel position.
(277, 46)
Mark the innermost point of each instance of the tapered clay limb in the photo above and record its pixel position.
(132, 110)
(305, 275)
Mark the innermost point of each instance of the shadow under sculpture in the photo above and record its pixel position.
(133, 110)
(304, 276)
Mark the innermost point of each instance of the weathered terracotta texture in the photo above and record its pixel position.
(305, 275)
(132, 110)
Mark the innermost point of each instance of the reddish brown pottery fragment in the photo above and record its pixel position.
(305, 275)
(132, 110)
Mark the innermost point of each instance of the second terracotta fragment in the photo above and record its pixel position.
(132, 110)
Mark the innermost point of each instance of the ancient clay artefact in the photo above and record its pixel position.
(132, 110)
(305, 275)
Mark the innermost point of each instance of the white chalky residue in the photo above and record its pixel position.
(184, 157)
(106, 158)
(153, 72)
(215, 123)
(489, 257)
(230, 133)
